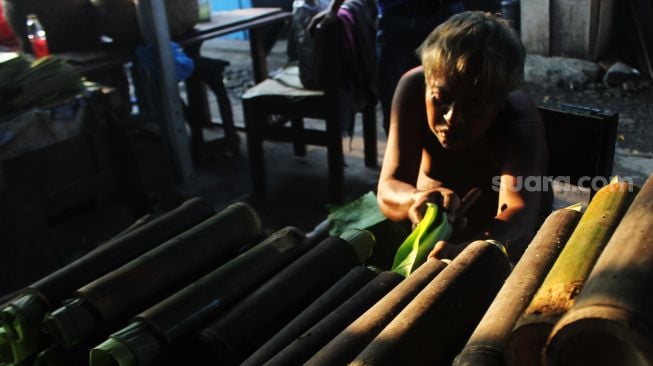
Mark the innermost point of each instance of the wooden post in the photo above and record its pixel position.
(487, 343)
(154, 27)
(353, 339)
(433, 327)
(327, 302)
(611, 322)
(567, 276)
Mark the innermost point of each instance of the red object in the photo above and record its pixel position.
(39, 47)
(37, 37)
(7, 36)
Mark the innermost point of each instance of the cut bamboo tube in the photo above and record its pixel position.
(317, 336)
(433, 327)
(108, 302)
(611, 322)
(568, 274)
(355, 337)
(25, 313)
(169, 322)
(327, 302)
(487, 343)
(234, 337)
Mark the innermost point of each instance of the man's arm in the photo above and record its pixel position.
(522, 179)
(398, 197)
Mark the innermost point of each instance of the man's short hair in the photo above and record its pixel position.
(476, 47)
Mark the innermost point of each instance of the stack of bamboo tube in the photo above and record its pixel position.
(286, 300)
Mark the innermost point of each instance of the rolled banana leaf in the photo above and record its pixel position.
(487, 343)
(236, 335)
(566, 278)
(22, 318)
(415, 249)
(327, 302)
(108, 302)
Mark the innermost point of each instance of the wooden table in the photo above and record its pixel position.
(222, 23)
(110, 59)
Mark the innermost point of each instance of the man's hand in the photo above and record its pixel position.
(445, 198)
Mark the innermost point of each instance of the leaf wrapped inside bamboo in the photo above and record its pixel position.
(24, 315)
(235, 336)
(109, 301)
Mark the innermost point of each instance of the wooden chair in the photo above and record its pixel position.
(284, 96)
(581, 143)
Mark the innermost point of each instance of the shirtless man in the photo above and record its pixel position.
(459, 122)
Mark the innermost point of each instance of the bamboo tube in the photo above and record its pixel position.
(167, 323)
(355, 337)
(487, 343)
(611, 322)
(327, 302)
(109, 301)
(433, 327)
(234, 337)
(568, 274)
(25, 313)
(317, 336)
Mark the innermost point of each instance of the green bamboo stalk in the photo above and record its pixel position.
(347, 286)
(487, 343)
(433, 327)
(106, 303)
(22, 318)
(355, 337)
(611, 321)
(564, 281)
(236, 335)
(168, 323)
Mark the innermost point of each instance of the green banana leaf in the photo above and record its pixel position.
(362, 213)
(414, 250)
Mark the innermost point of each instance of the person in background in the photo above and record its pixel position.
(460, 122)
(402, 26)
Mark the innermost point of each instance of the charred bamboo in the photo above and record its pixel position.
(234, 337)
(327, 302)
(108, 302)
(487, 343)
(355, 337)
(24, 315)
(611, 322)
(317, 336)
(433, 327)
(167, 323)
(564, 281)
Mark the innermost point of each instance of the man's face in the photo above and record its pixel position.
(457, 113)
